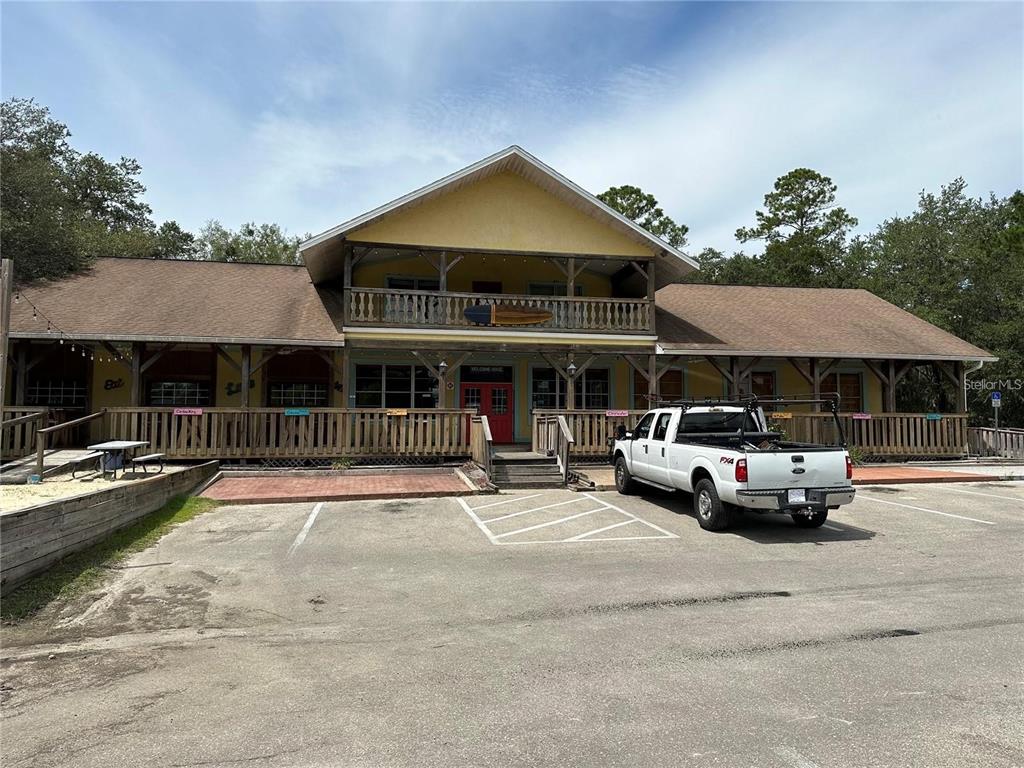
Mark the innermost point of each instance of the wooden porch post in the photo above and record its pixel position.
(650, 295)
(138, 348)
(442, 271)
(736, 380)
(815, 380)
(570, 386)
(345, 378)
(890, 387)
(246, 373)
(20, 373)
(653, 380)
(961, 393)
(347, 288)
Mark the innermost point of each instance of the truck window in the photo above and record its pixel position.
(643, 429)
(661, 427)
(703, 423)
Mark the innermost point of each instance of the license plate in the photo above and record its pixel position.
(798, 496)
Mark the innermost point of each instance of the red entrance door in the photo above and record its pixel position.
(495, 402)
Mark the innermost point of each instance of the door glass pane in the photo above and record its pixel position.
(643, 429)
(472, 397)
(661, 428)
(499, 401)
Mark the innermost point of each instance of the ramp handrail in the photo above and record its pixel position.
(42, 434)
(482, 443)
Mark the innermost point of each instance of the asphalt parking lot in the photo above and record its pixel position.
(542, 628)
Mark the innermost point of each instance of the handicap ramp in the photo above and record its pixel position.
(18, 471)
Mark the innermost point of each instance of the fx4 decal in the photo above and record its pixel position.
(726, 460)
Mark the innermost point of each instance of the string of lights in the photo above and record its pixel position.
(62, 336)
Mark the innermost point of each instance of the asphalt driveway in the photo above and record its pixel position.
(550, 630)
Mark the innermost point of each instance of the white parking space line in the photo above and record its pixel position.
(989, 495)
(601, 530)
(669, 534)
(507, 501)
(544, 511)
(535, 509)
(305, 529)
(479, 523)
(550, 522)
(924, 509)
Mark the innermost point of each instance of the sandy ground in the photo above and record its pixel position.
(14, 497)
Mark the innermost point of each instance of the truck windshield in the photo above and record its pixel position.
(703, 423)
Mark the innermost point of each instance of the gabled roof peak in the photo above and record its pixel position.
(513, 159)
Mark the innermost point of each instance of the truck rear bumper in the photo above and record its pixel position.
(817, 498)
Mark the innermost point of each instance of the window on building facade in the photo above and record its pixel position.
(297, 394)
(56, 393)
(179, 393)
(401, 283)
(762, 383)
(848, 385)
(671, 385)
(593, 391)
(394, 386)
(552, 289)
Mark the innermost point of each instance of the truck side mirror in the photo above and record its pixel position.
(620, 432)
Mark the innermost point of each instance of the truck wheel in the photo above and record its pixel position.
(711, 513)
(816, 520)
(623, 480)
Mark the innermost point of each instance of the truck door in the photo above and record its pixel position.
(657, 456)
(639, 449)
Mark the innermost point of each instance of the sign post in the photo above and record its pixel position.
(997, 402)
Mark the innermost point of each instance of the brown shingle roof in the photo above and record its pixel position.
(181, 300)
(798, 322)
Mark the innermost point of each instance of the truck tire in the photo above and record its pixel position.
(816, 520)
(711, 513)
(624, 482)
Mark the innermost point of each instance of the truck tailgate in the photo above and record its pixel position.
(768, 470)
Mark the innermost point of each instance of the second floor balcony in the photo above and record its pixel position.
(435, 309)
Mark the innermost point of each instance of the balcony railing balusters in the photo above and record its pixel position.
(382, 306)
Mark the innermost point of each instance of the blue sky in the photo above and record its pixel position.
(308, 114)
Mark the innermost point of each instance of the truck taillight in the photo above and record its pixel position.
(741, 470)
(849, 468)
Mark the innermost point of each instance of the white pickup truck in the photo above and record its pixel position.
(728, 458)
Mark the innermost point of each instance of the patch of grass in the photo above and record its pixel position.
(83, 570)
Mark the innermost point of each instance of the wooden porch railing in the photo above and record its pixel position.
(884, 434)
(986, 441)
(554, 437)
(481, 444)
(259, 433)
(590, 428)
(18, 430)
(895, 435)
(387, 307)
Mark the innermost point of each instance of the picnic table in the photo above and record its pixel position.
(114, 454)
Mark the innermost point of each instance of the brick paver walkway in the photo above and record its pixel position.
(903, 474)
(386, 485)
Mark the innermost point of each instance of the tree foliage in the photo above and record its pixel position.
(61, 208)
(804, 231)
(637, 205)
(263, 244)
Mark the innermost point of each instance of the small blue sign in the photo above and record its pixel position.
(296, 411)
(997, 395)
(934, 417)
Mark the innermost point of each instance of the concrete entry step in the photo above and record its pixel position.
(525, 469)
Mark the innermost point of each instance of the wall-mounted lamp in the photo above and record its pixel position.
(571, 370)
(442, 367)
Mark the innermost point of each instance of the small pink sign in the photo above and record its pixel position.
(188, 411)
(861, 416)
(616, 414)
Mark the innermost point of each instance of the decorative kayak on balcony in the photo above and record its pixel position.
(505, 314)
